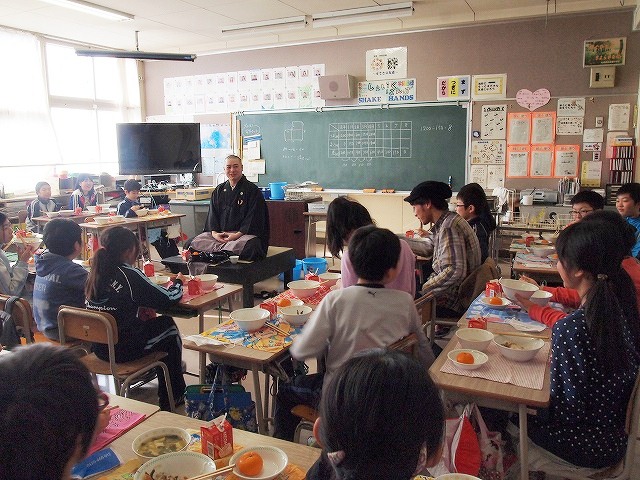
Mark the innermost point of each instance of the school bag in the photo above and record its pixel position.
(9, 335)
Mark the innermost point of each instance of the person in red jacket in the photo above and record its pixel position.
(569, 297)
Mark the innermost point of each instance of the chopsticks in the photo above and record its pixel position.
(277, 329)
(226, 469)
(522, 334)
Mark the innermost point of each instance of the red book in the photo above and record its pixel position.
(121, 421)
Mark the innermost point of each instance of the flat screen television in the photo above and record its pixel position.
(158, 148)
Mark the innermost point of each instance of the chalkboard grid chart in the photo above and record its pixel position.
(356, 147)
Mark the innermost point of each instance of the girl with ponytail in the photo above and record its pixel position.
(595, 351)
(118, 288)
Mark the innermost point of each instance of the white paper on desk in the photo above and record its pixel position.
(525, 327)
(257, 167)
(202, 340)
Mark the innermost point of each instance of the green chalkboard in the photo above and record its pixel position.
(362, 147)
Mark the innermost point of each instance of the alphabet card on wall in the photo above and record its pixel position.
(533, 100)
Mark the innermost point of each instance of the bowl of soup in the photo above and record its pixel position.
(160, 441)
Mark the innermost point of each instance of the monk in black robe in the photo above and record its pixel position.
(238, 219)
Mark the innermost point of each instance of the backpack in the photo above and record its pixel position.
(9, 335)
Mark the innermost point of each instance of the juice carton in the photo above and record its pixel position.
(194, 287)
(217, 439)
(271, 307)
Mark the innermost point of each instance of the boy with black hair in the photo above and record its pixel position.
(628, 205)
(43, 203)
(352, 319)
(585, 202)
(130, 204)
(59, 280)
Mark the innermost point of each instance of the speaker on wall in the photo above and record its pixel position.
(337, 86)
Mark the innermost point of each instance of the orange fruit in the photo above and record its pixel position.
(465, 357)
(495, 301)
(284, 302)
(250, 464)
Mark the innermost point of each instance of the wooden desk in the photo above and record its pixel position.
(243, 357)
(135, 406)
(137, 224)
(547, 273)
(278, 260)
(491, 394)
(300, 455)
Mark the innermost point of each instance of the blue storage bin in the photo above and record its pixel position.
(297, 272)
(318, 264)
(277, 192)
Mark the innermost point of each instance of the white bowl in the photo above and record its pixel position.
(66, 213)
(296, 315)
(153, 211)
(92, 208)
(116, 218)
(510, 287)
(34, 240)
(177, 465)
(105, 206)
(303, 288)
(527, 347)
(479, 358)
(505, 302)
(542, 250)
(143, 445)
(329, 278)
(52, 214)
(250, 319)
(160, 279)
(274, 462)
(102, 220)
(295, 302)
(474, 338)
(208, 280)
(541, 297)
(234, 259)
(551, 237)
(141, 212)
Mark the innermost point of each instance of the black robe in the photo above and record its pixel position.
(241, 209)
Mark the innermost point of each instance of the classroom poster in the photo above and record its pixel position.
(386, 63)
(518, 161)
(533, 100)
(478, 174)
(543, 128)
(454, 88)
(593, 135)
(569, 125)
(590, 175)
(495, 176)
(566, 160)
(488, 151)
(489, 87)
(604, 51)
(571, 107)
(541, 161)
(619, 116)
(518, 128)
(493, 122)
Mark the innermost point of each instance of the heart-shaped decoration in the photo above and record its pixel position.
(533, 100)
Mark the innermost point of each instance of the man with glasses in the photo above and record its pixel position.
(584, 202)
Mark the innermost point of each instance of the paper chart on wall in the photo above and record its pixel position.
(518, 160)
(566, 160)
(593, 135)
(478, 174)
(571, 107)
(619, 116)
(543, 128)
(519, 127)
(495, 176)
(493, 124)
(488, 151)
(569, 125)
(590, 176)
(541, 161)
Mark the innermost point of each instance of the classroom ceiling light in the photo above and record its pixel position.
(135, 54)
(365, 14)
(277, 25)
(92, 9)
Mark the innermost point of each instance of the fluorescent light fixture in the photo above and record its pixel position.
(277, 25)
(137, 55)
(365, 14)
(92, 9)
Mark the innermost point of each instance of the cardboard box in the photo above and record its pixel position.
(217, 443)
(198, 193)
